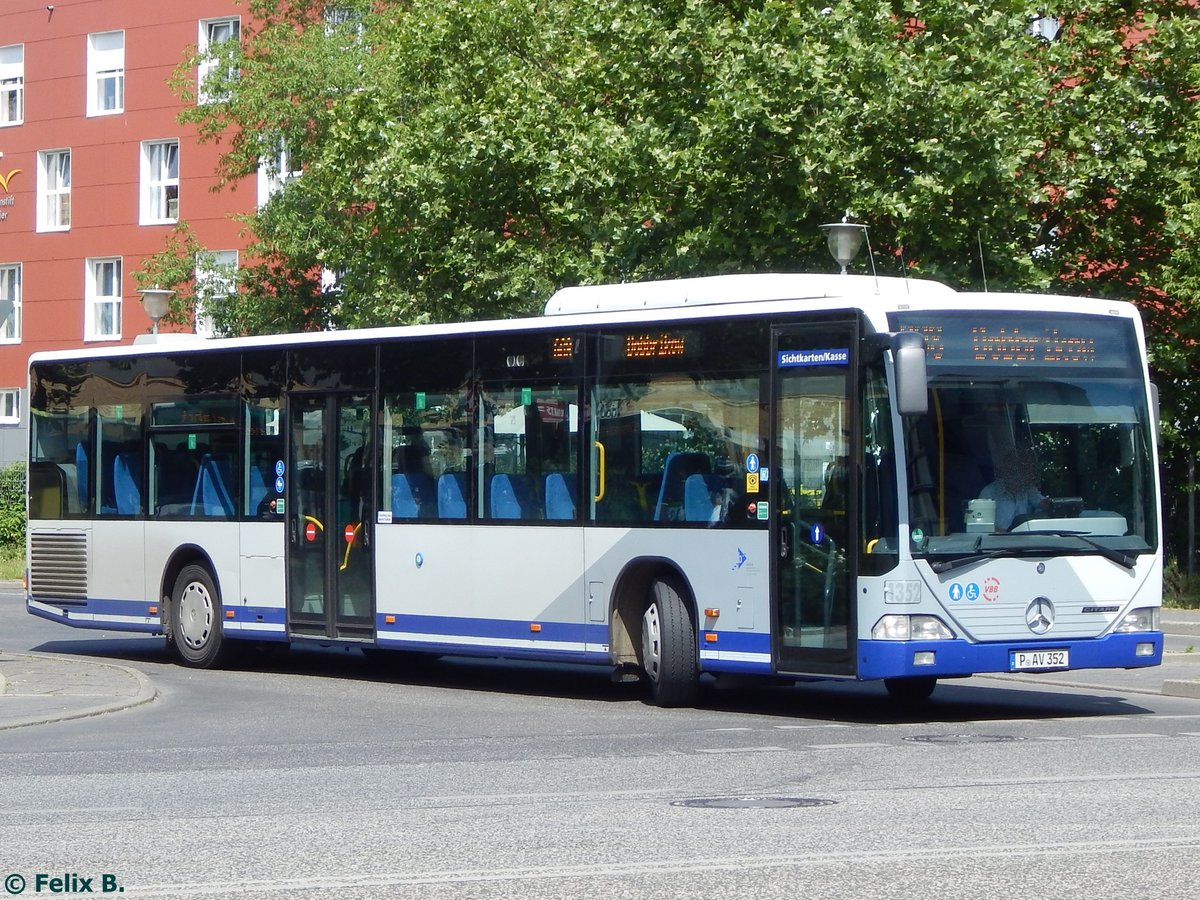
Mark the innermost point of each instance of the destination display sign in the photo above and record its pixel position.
(996, 338)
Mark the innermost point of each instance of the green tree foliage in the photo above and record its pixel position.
(12, 509)
(465, 158)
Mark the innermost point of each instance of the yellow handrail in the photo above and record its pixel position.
(349, 544)
(601, 475)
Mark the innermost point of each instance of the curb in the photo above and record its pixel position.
(1190, 629)
(145, 694)
(1189, 689)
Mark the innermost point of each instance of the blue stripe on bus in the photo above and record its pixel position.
(570, 632)
(111, 615)
(889, 659)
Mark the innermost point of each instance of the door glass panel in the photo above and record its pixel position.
(307, 514)
(813, 430)
(352, 563)
(330, 512)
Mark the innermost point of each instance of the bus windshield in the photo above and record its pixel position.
(1037, 438)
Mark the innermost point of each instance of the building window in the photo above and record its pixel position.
(216, 49)
(54, 190)
(10, 406)
(275, 171)
(343, 20)
(216, 278)
(160, 182)
(102, 316)
(12, 84)
(106, 73)
(10, 303)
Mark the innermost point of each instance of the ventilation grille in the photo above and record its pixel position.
(58, 565)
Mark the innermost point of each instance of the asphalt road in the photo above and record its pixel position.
(317, 774)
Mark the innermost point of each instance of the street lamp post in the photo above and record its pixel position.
(157, 302)
(845, 240)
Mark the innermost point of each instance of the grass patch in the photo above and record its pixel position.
(12, 565)
(1180, 590)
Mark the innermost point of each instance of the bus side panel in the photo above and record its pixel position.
(728, 571)
(261, 608)
(217, 540)
(488, 590)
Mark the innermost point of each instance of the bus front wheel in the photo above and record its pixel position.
(669, 656)
(196, 617)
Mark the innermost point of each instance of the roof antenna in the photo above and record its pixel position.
(982, 267)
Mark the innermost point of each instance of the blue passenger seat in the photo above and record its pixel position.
(702, 498)
(451, 495)
(676, 470)
(560, 495)
(127, 477)
(210, 498)
(412, 495)
(511, 497)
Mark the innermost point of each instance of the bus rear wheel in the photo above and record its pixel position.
(196, 617)
(669, 656)
(915, 689)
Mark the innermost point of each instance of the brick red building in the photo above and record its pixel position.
(95, 170)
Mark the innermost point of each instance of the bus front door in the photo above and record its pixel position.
(813, 525)
(330, 512)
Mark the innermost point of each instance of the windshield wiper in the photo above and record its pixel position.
(950, 565)
(1120, 557)
(1117, 556)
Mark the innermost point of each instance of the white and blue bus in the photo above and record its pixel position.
(785, 475)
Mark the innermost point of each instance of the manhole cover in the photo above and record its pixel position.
(964, 739)
(752, 802)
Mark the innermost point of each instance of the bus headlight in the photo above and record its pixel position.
(1144, 619)
(911, 628)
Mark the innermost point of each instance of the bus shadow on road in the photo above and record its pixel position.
(857, 703)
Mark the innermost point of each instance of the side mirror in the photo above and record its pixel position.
(912, 382)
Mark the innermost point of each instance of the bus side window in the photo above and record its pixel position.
(47, 491)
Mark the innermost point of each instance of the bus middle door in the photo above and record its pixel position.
(330, 514)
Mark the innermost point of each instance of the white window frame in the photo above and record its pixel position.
(102, 272)
(216, 274)
(210, 37)
(12, 85)
(105, 66)
(274, 172)
(10, 406)
(54, 190)
(160, 188)
(10, 290)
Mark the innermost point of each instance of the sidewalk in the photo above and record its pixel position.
(38, 688)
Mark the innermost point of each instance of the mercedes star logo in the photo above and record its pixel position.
(1039, 615)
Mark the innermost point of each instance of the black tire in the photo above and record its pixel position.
(912, 690)
(669, 656)
(196, 618)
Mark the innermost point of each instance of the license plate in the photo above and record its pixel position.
(1022, 660)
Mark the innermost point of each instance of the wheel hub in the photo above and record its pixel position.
(652, 642)
(195, 615)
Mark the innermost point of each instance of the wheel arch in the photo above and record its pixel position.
(631, 597)
(183, 556)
